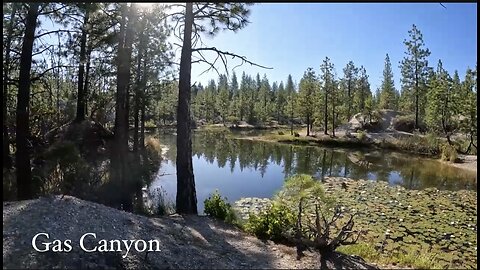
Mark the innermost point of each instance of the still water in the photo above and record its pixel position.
(243, 168)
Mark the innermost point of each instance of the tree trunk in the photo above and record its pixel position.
(325, 112)
(120, 157)
(291, 116)
(416, 95)
(349, 110)
(87, 76)
(22, 158)
(143, 104)
(333, 118)
(138, 87)
(81, 70)
(186, 200)
(136, 109)
(142, 124)
(7, 161)
(59, 75)
(308, 124)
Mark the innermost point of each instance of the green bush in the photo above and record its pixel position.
(281, 216)
(218, 207)
(428, 145)
(449, 153)
(361, 135)
(270, 224)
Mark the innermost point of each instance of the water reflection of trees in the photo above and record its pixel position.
(414, 173)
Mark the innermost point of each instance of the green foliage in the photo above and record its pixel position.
(308, 90)
(361, 135)
(388, 95)
(218, 207)
(441, 103)
(363, 92)
(64, 170)
(364, 250)
(412, 258)
(280, 217)
(426, 145)
(163, 206)
(406, 123)
(415, 70)
(166, 105)
(272, 223)
(348, 84)
(449, 153)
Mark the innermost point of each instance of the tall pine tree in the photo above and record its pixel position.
(414, 68)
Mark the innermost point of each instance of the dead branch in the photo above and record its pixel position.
(321, 232)
(223, 54)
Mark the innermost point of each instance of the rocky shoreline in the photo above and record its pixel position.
(401, 221)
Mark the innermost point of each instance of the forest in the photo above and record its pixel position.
(88, 88)
(113, 64)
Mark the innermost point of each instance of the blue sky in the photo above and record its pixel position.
(292, 37)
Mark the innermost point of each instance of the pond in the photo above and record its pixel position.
(244, 168)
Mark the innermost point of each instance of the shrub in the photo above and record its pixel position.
(218, 207)
(163, 206)
(449, 153)
(362, 135)
(280, 218)
(153, 144)
(428, 145)
(404, 123)
(271, 224)
(63, 171)
(432, 140)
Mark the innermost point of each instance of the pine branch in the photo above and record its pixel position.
(223, 54)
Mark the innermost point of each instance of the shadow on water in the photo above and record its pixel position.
(61, 169)
(245, 168)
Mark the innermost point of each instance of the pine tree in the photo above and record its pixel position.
(232, 16)
(363, 90)
(280, 102)
(22, 157)
(349, 78)
(468, 107)
(263, 104)
(222, 98)
(326, 69)
(439, 104)
(290, 105)
(306, 91)
(414, 68)
(388, 97)
(335, 102)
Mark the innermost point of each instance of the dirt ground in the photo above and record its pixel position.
(186, 241)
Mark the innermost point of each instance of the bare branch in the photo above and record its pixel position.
(200, 9)
(48, 70)
(222, 54)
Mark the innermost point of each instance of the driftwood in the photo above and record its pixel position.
(319, 236)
